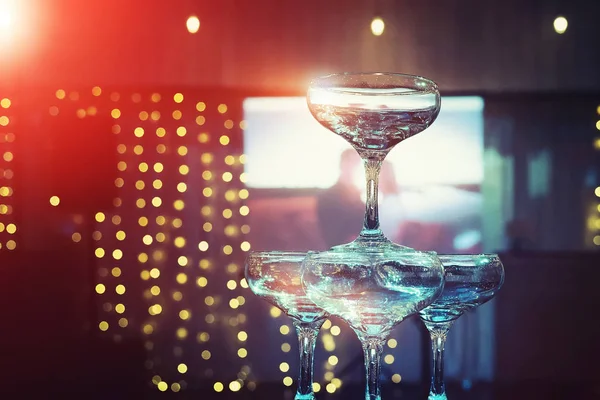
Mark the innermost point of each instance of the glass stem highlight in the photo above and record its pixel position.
(438, 341)
(373, 348)
(307, 338)
(371, 222)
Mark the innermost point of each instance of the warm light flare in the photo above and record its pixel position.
(377, 26)
(193, 24)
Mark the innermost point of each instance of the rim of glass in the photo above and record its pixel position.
(403, 82)
(277, 253)
(469, 256)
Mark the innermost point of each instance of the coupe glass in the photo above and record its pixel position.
(372, 290)
(372, 283)
(373, 112)
(276, 277)
(470, 280)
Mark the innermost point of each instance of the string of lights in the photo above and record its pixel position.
(8, 227)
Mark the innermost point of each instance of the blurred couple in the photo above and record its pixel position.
(341, 208)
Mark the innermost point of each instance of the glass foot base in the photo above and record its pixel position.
(378, 243)
(433, 396)
(310, 396)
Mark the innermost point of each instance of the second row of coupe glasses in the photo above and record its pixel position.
(470, 280)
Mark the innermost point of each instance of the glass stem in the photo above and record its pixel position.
(371, 222)
(307, 338)
(373, 348)
(438, 340)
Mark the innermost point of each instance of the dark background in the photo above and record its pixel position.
(541, 91)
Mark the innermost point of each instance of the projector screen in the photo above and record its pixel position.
(430, 195)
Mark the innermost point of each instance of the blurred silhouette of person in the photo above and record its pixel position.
(390, 208)
(340, 209)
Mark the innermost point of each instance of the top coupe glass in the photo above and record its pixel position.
(373, 112)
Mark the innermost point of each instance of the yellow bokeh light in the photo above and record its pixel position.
(182, 150)
(243, 194)
(103, 326)
(143, 167)
(179, 242)
(54, 201)
(227, 249)
(203, 245)
(224, 140)
(333, 360)
(138, 150)
(178, 98)
(330, 388)
(203, 337)
(177, 115)
(231, 284)
(244, 210)
(117, 254)
(178, 205)
(396, 378)
(200, 120)
(560, 25)
(377, 26)
(99, 252)
(227, 176)
(123, 322)
(205, 355)
(181, 187)
(235, 386)
(143, 115)
(335, 330)
(155, 115)
(597, 191)
(181, 131)
(155, 290)
(5, 103)
(388, 359)
(138, 132)
(120, 308)
(160, 132)
(155, 97)
(162, 386)
(184, 169)
(245, 246)
(234, 303)
(392, 343)
(181, 333)
(284, 329)
(161, 149)
(148, 329)
(100, 288)
(209, 300)
(142, 258)
(60, 94)
(288, 381)
(222, 108)
(177, 223)
(181, 278)
(200, 106)
(228, 124)
(286, 347)
(202, 281)
(182, 368)
(218, 386)
(242, 336)
(177, 295)
(184, 314)
(158, 167)
(175, 387)
(76, 237)
(120, 289)
(284, 367)
(242, 353)
(182, 261)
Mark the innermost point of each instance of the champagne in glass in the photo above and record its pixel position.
(470, 281)
(276, 277)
